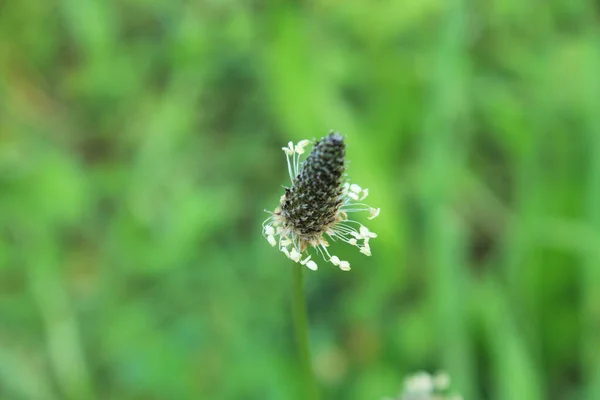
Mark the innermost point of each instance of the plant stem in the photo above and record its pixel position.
(301, 331)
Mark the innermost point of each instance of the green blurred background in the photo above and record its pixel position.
(140, 142)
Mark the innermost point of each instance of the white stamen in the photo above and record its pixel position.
(335, 260)
(271, 240)
(353, 196)
(355, 188)
(344, 265)
(269, 230)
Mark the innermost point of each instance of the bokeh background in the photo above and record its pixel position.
(140, 142)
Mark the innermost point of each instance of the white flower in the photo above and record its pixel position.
(423, 386)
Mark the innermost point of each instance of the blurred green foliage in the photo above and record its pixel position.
(140, 142)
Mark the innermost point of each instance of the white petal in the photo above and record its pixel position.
(312, 265)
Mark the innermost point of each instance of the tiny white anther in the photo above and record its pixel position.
(366, 251)
(352, 242)
(289, 150)
(269, 230)
(344, 265)
(355, 188)
(345, 188)
(271, 240)
(294, 255)
(312, 265)
(366, 233)
(285, 242)
(335, 260)
(365, 193)
(374, 212)
(353, 196)
(303, 262)
(301, 145)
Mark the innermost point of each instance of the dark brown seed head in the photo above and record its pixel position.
(313, 201)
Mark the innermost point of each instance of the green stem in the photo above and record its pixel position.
(301, 331)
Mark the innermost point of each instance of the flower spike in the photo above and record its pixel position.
(318, 204)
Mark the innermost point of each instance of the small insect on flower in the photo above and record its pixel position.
(317, 205)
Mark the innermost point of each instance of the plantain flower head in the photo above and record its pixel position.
(424, 386)
(318, 204)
